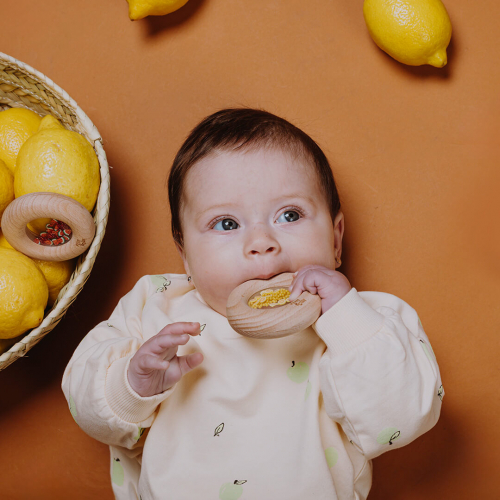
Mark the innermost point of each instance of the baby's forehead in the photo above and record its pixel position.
(256, 155)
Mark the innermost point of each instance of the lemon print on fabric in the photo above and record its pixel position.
(428, 350)
(332, 456)
(57, 160)
(160, 282)
(118, 474)
(140, 432)
(72, 407)
(298, 372)
(388, 435)
(413, 32)
(308, 390)
(17, 125)
(231, 491)
(441, 392)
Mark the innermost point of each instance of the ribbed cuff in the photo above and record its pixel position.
(348, 323)
(123, 400)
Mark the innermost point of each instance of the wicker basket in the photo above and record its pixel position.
(22, 86)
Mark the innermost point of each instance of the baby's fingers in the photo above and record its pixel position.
(149, 362)
(163, 343)
(190, 361)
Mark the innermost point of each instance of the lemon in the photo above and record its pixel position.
(56, 274)
(413, 32)
(23, 294)
(138, 9)
(57, 160)
(16, 125)
(3, 242)
(6, 187)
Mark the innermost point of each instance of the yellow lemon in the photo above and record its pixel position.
(413, 32)
(138, 9)
(23, 294)
(56, 274)
(60, 161)
(16, 126)
(6, 187)
(3, 242)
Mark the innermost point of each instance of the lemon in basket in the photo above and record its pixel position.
(57, 160)
(413, 32)
(138, 9)
(23, 294)
(3, 241)
(16, 126)
(56, 274)
(6, 187)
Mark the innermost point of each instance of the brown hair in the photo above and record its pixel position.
(244, 128)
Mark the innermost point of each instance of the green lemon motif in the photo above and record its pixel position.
(231, 491)
(118, 474)
(298, 372)
(160, 282)
(332, 455)
(72, 407)
(388, 435)
(140, 432)
(308, 389)
(427, 352)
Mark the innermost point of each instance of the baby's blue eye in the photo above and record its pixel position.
(290, 218)
(227, 224)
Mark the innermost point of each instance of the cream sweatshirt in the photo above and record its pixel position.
(299, 417)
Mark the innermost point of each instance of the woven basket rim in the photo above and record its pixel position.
(100, 212)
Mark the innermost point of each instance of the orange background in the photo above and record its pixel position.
(414, 150)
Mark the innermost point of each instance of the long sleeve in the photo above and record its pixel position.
(95, 380)
(379, 377)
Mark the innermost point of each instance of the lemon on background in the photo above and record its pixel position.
(16, 126)
(138, 9)
(57, 160)
(56, 274)
(23, 294)
(413, 32)
(6, 187)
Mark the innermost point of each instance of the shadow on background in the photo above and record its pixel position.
(157, 24)
(430, 459)
(46, 361)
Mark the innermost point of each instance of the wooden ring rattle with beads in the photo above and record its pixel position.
(270, 322)
(47, 205)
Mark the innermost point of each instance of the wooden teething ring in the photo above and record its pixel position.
(47, 205)
(271, 323)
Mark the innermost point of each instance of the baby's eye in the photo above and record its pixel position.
(295, 215)
(226, 224)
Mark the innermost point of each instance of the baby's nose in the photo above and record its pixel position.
(261, 240)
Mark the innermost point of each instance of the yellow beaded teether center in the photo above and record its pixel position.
(270, 298)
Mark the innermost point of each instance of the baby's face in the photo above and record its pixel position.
(270, 218)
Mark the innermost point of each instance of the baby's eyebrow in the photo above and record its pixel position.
(235, 205)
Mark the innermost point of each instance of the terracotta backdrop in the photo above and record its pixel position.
(415, 152)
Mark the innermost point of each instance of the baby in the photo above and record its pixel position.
(192, 410)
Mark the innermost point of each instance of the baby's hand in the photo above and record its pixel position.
(330, 285)
(155, 367)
